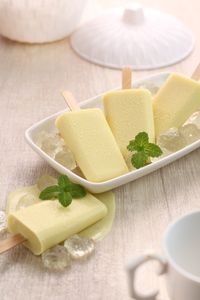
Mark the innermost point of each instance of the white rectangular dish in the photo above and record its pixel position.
(47, 124)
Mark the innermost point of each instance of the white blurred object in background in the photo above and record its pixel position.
(142, 38)
(39, 21)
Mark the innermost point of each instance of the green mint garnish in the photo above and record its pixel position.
(65, 191)
(139, 159)
(51, 192)
(65, 198)
(77, 191)
(143, 150)
(153, 150)
(63, 181)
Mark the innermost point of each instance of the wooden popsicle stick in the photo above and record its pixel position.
(70, 100)
(11, 242)
(126, 78)
(196, 73)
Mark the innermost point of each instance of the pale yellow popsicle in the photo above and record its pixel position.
(101, 228)
(175, 102)
(47, 223)
(129, 112)
(90, 139)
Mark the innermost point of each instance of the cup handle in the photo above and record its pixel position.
(132, 268)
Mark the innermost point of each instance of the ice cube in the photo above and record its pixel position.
(49, 146)
(194, 119)
(171, 140)
(50, 143)
(79, 247)
(56, 258)
(58, 140)
(3, 222)
(40, 138)
(190, 133)
(26, 200)
(152, 87)
(66, 158)
(46, 181)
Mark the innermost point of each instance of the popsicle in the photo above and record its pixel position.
(176, 100)
(90, 139)
(128, 112)
(47, 223)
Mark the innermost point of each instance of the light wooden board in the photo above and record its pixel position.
(31, 78)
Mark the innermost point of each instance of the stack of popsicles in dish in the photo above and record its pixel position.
(99, 143)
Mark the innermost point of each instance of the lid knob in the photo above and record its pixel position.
(133, 14)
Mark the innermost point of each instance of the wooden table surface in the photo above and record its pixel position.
(31, 78)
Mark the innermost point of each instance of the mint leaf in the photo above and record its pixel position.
(132, 146)
(139, 143)
(77, 191)
(63, 181)
(139, 159)
(142, 138)
(153, 150)
(65, 198)
(143, 150)
(50, 192)
(64, 191)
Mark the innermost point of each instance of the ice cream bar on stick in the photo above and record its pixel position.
(128, 112)
(88, 136)
(176, 101)
(47, 223)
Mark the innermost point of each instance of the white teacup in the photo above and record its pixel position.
(181, 264)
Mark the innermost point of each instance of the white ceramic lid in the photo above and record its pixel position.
(141, 38)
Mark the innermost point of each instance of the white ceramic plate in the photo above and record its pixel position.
(48, 125)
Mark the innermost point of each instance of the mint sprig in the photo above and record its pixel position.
(143, 150)
(65, 198)
(139, 159)
(65, 191)
(51, 192)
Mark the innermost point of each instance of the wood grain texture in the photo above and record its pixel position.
(31, 78)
